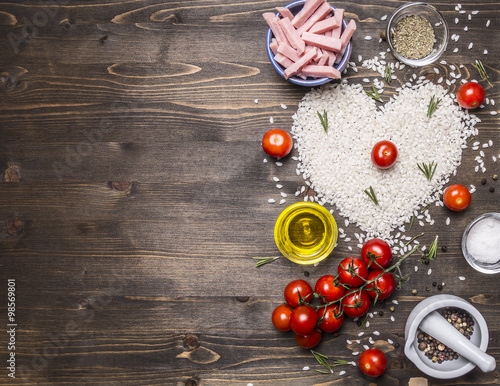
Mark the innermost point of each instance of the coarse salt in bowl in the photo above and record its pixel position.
(481, 243)
(295, 8)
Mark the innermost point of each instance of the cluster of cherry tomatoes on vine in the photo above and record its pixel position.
(358, 281)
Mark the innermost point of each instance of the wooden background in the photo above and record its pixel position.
(134, 195)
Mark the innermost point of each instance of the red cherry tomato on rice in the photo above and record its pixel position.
(384, 154)
(326, 288)
(277, 143)
(330, 322)
(384, 283)
(349, 268)
(372, 362)
(310, 340)
(296, 287)
(356, 304)
(303, 320)
(378, 248)
(456, 197)
(281, 317)
(470, 95)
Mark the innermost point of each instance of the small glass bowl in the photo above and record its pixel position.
(477, 265)
(296, 233)
(295, 7)
(438, 23)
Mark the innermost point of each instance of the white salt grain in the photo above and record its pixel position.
(282, 201)
(461, 278)
(256, 101)
(368, 37)
(361, 333)
(395, 302)
(276, 179)
(283, 106)
(488, 23)
(279, 186)
(429, 271)
(305, 368)
(271, 201)
(390, 341)
(342, 372)
(279, 163)
(393, 319)
(470, 45)
(366, 347)
(447, 221)
(383, 17)
(271, 120)
(485, 52)
(376, 333)
(348, 341)
(355, 353)
(265, 161)
(493, 113)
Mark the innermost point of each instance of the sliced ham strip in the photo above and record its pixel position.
(316, 71)
(331, 57)
(283, 60)
(323, 60)
(324, 25)
(297, 66)
(285, 13)
(274, 46)
(273, 22)
(289, 52)
(347, 34)
(307, 10)
(339, 16)
(324, 10)
(293, 36)
(322, 41)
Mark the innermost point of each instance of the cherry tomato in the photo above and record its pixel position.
(372, 362)
(384, 283)
(277, 143)
(349, 268)
(310, 340)
(378, 249)
(281, 317)
(470, 95)
(303, 320)
(456, 197)
(384, 154)
(296, 287)
(356, 304)
(326, 288)
(330, 322)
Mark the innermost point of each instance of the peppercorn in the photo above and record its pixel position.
(492, 189)
(414, 292)
(381, 313)
(434, 284)
(440, 287)
(483, 181)
(396, 345)
(392, 309)
(306, 273)
(359, 323)
(427, 288)
(495, 177)
(426, 262)
(444, 248)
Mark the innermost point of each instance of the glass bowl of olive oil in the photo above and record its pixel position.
(305, 233)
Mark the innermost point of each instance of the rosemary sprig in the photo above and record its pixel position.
(363, 324)
(402, 278)
(388, 74)
(324, 120)
(413, 238)
(375, 95)
(323, 361)
(433, 104)
(431, 253)
(264, 260)
(428, 169)
(411, 222)
(371, 194)
(482, 71)
(425, 207)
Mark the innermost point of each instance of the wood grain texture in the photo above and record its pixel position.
(133, 195)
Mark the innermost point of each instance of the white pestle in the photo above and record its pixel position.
(438, 327)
